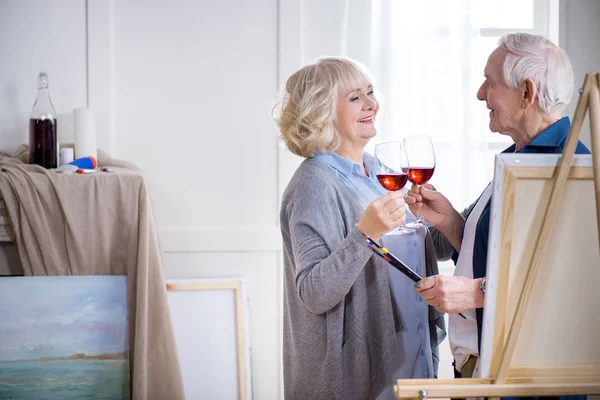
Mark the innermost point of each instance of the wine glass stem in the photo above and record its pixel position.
(420, 216)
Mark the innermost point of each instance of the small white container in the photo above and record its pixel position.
(66, 155)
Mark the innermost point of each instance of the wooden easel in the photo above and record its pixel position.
(502, 384)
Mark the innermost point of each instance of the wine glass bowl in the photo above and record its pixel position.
(420, 156)
(392, 181)
(420, 176)
(391, 169)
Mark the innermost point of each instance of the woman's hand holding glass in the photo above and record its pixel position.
(383, 214)
(391, 168)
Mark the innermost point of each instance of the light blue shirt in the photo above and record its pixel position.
(413, 357)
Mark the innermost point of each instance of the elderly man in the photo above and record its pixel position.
(528, 82)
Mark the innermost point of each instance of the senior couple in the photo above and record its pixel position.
(353, 325)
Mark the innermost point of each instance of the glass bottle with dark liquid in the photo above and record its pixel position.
(42, 128)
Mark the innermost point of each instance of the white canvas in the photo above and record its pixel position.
(561, 326)
(209, 320)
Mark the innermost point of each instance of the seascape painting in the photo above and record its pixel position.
(64, 338)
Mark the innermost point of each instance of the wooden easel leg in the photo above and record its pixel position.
(594, 106)
(549, 217)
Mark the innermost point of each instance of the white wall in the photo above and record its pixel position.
(192, 86)
(579, 31)
(184, 91)
(38, 36)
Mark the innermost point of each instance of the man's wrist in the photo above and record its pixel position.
(480, 285)
(452, 228)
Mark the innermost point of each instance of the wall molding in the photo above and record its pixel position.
(222, 239)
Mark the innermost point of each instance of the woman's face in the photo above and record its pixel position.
(503, 102)
(355, 114)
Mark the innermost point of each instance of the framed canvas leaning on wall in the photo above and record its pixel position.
(64, 337)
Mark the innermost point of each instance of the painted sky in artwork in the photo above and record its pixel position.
(61, 316)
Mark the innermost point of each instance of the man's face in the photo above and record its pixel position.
(504, 103)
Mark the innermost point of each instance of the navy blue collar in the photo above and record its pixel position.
(552, 137)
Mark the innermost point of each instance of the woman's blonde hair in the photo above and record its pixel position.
(307, 109)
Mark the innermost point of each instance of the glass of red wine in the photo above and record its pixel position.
(421, 164)
(391, 168)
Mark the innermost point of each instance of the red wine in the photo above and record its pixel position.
(392, 181)
(42, 142)
(419, 176)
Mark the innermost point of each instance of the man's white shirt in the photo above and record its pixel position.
(462, 333)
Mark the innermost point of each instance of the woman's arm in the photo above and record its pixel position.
(326, 263)
(328, 249)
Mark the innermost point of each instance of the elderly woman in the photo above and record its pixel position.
(352, 325)
(528, 82)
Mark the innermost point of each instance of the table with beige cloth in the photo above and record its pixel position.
(98, 224)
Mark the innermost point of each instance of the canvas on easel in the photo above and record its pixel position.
(541, 307)
(564, 295)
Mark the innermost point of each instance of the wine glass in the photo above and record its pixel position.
(421, 164)
(391, 167)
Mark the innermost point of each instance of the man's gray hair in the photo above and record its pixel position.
(547, 65)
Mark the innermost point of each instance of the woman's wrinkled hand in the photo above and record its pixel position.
(382, 215)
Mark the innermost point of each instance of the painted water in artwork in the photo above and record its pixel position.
(64, 338)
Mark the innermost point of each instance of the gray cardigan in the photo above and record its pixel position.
(339, 318)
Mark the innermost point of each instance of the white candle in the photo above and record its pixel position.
(84, 130)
